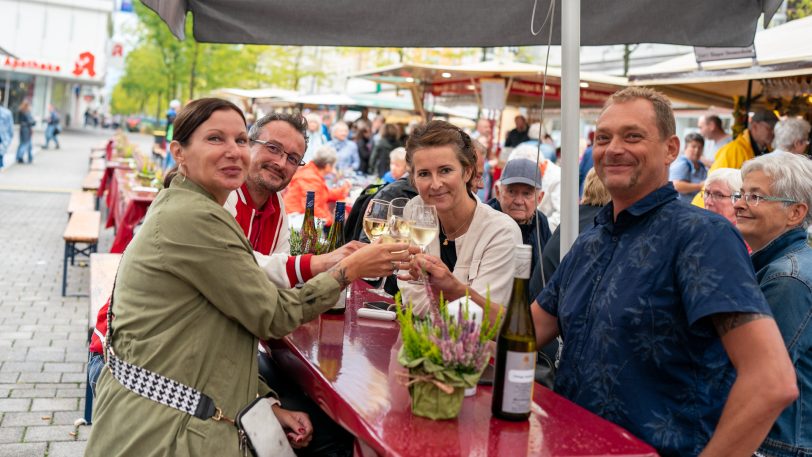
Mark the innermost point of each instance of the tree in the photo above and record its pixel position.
(162, 68)
(797, 9)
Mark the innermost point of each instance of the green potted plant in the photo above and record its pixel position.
(445, 355)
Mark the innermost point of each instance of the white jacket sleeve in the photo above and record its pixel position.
(551, 202)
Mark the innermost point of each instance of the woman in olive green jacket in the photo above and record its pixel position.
(190, 301)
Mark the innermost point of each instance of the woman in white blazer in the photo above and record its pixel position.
(473, 253)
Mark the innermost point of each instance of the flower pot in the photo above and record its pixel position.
(430, 401)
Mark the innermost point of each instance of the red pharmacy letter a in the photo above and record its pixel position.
(85, 62)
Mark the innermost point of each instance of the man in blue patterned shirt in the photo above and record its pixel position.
(665, 330)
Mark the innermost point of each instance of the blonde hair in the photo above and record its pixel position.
(595, 193)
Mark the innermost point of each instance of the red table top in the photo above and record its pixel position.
(348, 365)
(127, 206)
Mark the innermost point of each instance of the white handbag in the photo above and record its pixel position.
(261, 434)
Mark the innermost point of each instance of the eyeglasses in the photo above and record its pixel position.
(277, 151)
(718, 196)
(754, 199)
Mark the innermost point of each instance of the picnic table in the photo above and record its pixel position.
(127, 202)
(348, 365)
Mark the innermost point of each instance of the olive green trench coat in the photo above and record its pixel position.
(190, 304)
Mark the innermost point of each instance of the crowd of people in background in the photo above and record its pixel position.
(653, 280)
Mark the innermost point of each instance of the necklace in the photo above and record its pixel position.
(455, 232)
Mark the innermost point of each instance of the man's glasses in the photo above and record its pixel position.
(717, 196)
(277, 151)
(754, 199)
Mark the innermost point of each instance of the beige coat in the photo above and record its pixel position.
(484, 257)
(190, 302)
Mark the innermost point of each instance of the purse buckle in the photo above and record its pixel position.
(219, 416)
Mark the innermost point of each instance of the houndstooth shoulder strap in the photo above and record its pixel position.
(151, 385)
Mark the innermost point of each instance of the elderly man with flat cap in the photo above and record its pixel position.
(518, 194)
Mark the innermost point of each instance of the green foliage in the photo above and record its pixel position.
(443, 345)
(163, 68)
(796, 9)
(296, 243)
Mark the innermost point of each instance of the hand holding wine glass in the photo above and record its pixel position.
(376, 223)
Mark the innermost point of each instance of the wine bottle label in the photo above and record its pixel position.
(310, 200)
(340, 212)
(522, 266)
(520, 369)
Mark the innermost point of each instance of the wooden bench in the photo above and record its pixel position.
(99, 151)
(92, 182)
(158, 154)
(81, 201)
(98, 164)
(83, 228)
(103, 269)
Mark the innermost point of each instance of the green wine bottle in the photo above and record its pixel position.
(334, 241)
(516, 348)
(310, 237)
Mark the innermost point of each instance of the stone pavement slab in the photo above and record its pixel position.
(43, 336)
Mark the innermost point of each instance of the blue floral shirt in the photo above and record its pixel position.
(631, 299)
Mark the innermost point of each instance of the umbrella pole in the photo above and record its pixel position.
(570, 110)
(748, 102)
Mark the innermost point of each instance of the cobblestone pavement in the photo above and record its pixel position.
(43, 336)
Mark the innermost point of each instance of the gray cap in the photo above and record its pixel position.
(521, 171)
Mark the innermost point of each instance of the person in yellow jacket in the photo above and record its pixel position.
(754, 141)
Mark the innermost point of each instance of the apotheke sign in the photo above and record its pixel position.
(31, 64)
(84, 65)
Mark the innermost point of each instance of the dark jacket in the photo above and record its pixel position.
(379, 162)
(515, 138)
(529, 236)
(364, 152)
(551, 257)
(26, 124)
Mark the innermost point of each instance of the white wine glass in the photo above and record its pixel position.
(423, 227)
(376, 218)
(376, 223)
(399, 227)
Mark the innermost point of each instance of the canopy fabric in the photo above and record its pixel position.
(3, 52)
(781, 52)
(472, 23)
(255, 93)
(377, 100)
(459, 83)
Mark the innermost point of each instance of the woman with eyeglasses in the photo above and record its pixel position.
(312, 177)
(190, 304)
(721, 184)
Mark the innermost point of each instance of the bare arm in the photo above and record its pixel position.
(765, 383)
(545, 323)
(685, 187)
(323, 262)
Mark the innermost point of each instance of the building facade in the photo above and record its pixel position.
(57, 52)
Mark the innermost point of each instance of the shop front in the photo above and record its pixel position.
(55, 54)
